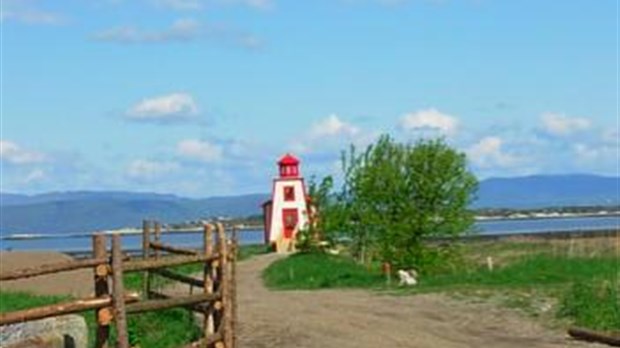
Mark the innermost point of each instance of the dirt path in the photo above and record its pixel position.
(360, 319)
(334, 318)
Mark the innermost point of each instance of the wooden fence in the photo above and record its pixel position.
(216, 303)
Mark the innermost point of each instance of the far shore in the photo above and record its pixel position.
(552, 215)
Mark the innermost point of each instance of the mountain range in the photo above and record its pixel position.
(81, 211)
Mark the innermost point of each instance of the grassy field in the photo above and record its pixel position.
(320, 271)
(568, 280)
(160, 329)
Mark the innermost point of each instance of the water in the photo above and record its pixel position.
(548, 225)
(132, 241)
(193, 240)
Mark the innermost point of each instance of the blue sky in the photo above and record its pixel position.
(200, 97)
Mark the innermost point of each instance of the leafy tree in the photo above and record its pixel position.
(321, 212)
(395, 195)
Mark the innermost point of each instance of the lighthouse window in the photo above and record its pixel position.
(289, 193)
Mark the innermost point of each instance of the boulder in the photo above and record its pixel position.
(67, 331)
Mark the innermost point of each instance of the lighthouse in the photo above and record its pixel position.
(287, 211)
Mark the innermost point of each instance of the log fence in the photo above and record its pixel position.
(215, 303)
(612, 339)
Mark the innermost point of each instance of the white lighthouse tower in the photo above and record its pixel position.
(287, 211)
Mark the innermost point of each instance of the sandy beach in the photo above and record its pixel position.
(78, 283)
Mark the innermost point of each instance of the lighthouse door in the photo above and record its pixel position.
(289, 221)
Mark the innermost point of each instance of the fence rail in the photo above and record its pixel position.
(216, 303)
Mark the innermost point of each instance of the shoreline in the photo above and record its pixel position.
(546, 216)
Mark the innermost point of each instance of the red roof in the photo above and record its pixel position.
(288, 159)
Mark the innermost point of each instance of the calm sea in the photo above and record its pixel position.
(494, 227)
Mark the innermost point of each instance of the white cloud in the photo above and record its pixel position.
(34, 176)
(171, 107)
(585, 152)
(13, 153)
(257, 4)
(332, 126)
(33, 17)
(29, 13)
(430, 119)
(392, 3)
(199, 150)
(191, 5)
(260, 4)
(181, 5)
(145, 169)
(596, 153)
(182, 30)
(329, 135)
(562, 125)
(488, 152)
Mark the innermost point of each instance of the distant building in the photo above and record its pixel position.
(287, 211)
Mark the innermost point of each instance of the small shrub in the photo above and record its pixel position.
(305, 241)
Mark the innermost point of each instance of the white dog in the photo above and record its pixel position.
(407, 277)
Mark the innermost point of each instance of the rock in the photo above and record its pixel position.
(68, 331)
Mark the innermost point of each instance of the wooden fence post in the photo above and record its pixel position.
(157, 237)
(146, 253)
(225, 286)
(208, 280)
(118, 294)
(233, 284)
(103, 316)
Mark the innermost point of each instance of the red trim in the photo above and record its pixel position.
(288, 159)
(289, 193)
(288, 166)
(289, 226)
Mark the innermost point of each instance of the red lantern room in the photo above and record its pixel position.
(289, 166)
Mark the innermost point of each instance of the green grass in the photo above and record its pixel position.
(318, 271)
(313, 271)
(15, 301)
(133, 281)
(528, 276)
(162, 329)
(528, 271)
(594, 305)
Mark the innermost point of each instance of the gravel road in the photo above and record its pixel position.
(361, 319)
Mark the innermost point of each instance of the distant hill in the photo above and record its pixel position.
(548, 190)
(90, 211)
(17, 199)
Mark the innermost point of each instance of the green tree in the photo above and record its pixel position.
(395, 195)
(319, 212)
